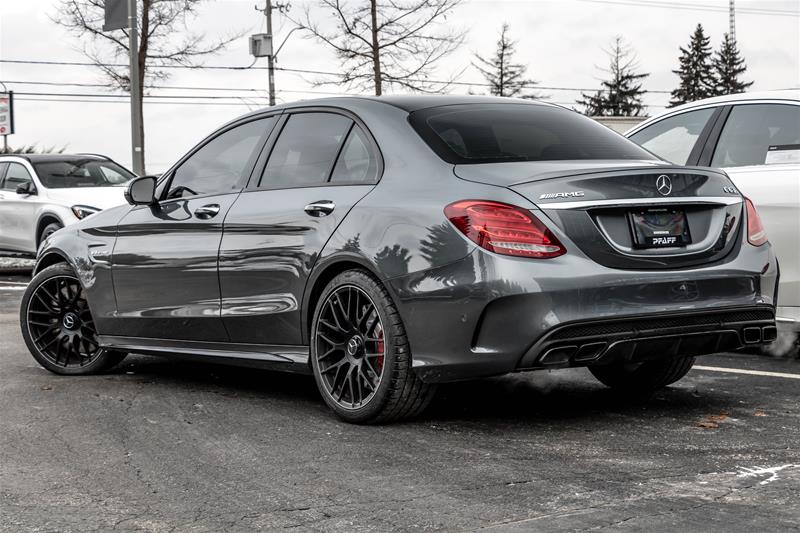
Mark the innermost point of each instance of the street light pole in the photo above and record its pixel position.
(137, 154)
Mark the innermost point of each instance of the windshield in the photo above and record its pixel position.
(81, 173)
(493, 133)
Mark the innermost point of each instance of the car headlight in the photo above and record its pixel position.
(83, 211)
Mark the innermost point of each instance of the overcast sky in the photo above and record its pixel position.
(560, 40)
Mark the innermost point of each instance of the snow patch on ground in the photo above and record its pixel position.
(771, 471)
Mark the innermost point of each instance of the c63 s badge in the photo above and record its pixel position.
(549, 195)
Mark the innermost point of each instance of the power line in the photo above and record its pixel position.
(293, 70)
(93, 101)
(696, 7)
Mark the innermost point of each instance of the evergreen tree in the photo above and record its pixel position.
(505, 77)
(728, 67)
(621, 94)
(696, 70)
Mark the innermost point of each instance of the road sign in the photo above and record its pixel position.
(7, 113)
(116, 12)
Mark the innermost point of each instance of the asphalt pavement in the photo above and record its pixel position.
(164, 445)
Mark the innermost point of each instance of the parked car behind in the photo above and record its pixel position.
(42, 193)
(755, 138)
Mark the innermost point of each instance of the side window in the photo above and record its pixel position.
(220, 165)
(16, 176)
(750, 131)
(305, 151)
(357, 162)
(2, 173)
(673, 138)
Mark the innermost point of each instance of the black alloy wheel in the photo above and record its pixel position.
(350, 347)
(58, 327)
(360, 355)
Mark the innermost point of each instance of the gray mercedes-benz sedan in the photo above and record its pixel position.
(385, 245)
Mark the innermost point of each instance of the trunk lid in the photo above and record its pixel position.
(601, 208)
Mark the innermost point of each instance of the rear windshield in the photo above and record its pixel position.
(489, 133)
(81, 173)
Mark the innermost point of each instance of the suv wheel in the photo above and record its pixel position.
(643, 378)
(57, 325)
(360, 354)
(49, 230)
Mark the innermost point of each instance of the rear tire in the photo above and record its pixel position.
(360, 355)
(58, 327)
(643, 378)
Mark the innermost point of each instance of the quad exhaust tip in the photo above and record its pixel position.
(752, 335)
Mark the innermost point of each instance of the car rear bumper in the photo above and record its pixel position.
(488, 314)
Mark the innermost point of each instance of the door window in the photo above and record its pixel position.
(15, 176)
(305, 151)
(673, 138)
(357, 162)
(223, 163)
(752, 129)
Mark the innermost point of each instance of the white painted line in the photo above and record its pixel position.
(13, 288)
(23, 283)
(749, 372)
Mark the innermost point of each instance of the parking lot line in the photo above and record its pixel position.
(749, 372)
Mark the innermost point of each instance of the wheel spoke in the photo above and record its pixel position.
(367, 379)
(41, 336)
(52, 310)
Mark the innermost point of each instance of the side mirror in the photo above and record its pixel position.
(26, 188)
(141, 191)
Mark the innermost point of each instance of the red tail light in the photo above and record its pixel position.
(756, 234)
(504, 229)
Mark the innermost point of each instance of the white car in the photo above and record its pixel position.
(41, 193)
(755, 138)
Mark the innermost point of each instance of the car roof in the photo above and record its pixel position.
(409, 103)
(786, 94)
(41, 158)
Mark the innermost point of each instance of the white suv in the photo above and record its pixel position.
(41, 193)
(755, 138)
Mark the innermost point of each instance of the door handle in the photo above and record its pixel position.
(321, 208)
(207, 211)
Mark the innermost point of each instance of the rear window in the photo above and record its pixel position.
(494, 133)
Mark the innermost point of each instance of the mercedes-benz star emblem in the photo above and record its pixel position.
(664, 185)
(353, 345)
(69, 321)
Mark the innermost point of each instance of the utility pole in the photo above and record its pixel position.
(282, 8)
(137, 155)
(271, 57)
(732, 20)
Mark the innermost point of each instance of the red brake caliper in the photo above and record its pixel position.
(379, 336)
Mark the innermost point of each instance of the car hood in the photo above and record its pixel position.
(505, 174)
(99, 197)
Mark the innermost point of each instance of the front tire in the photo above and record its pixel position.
(58, 327)
(49, 230)
(643, 378)
(360, 354)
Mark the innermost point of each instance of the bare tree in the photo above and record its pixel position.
(164, 39)
(388, 42)
(505, 77)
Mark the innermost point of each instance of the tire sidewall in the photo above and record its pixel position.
(376, 404)
(61, 269)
